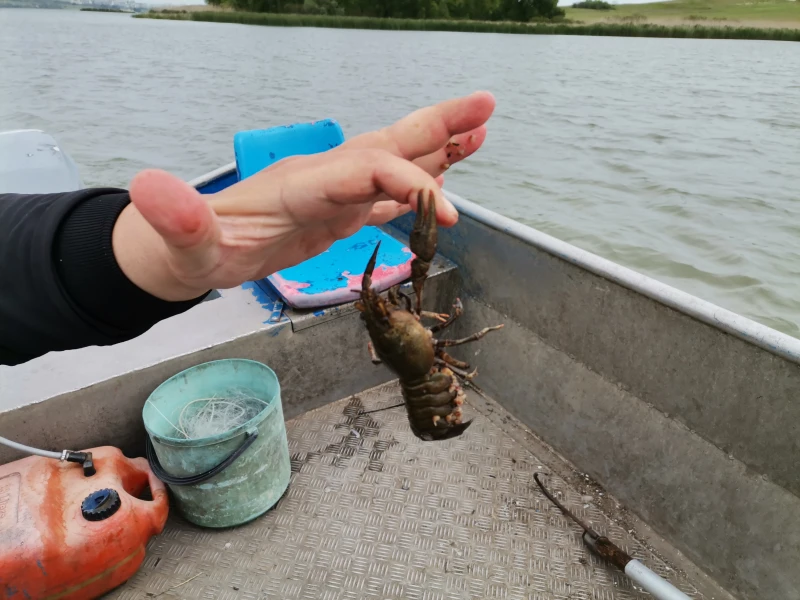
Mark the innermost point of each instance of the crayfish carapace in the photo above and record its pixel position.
(431, 392)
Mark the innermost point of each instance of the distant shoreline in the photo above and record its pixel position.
(109, 10)
(622, 28)
(60, 5)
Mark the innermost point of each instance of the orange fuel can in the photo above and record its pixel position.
(68, 536)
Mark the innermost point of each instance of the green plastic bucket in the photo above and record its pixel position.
(229, 478)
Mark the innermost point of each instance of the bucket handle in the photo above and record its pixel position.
(159, 471)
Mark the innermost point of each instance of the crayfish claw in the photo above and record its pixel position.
(371, 306)
(366, 283)
(423, 243)
(422, 238)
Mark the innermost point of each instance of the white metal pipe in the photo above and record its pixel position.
(30, 450)
(746, 329)
(651, 582)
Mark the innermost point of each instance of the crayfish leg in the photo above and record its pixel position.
(459, 364)
(373, 355)
(458, 310)
(461, 373)
(441, 317)
(475, 336)
(392, 295)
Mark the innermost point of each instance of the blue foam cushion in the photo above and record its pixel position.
(257, 149)
(335, 275)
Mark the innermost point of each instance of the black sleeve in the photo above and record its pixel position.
(60, 285)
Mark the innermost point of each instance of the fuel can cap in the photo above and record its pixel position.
(100, 505)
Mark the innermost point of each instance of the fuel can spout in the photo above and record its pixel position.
(606, 549)
(82, 458)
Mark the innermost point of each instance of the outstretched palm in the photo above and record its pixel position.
(176, 243)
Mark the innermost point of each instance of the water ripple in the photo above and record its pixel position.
(680, 162)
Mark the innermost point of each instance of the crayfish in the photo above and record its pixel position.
(431, 393)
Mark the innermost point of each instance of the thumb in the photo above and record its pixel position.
(176, 210)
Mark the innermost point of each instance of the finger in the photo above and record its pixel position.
(439, 181)
(176, 210)
(339, 189)
(385, 211)
(393, 176)
(322, 185)
(428, 129)
(460, 147)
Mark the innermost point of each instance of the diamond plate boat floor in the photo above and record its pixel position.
(372, 512)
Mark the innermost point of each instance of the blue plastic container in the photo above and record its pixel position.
(230, 478)
(257, 149)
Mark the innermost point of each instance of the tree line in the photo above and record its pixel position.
(595, 5)
(480, 10)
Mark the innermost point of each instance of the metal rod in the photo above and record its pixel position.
(605, 548)
(563, 508)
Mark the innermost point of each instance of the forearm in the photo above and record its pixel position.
(61, 286)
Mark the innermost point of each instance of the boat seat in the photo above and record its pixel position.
(328, 278)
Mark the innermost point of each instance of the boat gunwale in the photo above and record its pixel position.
(744, 328)
(207, 178)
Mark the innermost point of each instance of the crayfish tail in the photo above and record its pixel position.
(441, 433)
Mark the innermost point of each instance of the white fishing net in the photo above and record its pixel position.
(206, 417)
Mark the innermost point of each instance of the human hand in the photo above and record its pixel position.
(176, 243)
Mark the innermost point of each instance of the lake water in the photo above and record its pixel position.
(677, 158)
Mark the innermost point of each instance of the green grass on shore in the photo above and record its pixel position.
(785, 13)
(619, 28)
